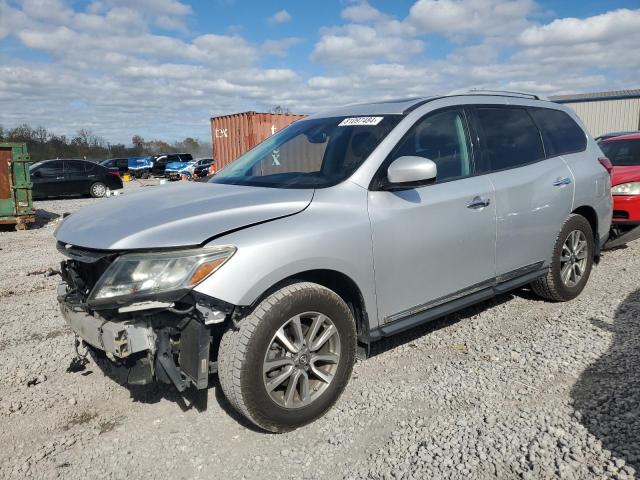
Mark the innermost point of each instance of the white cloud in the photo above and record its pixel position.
(280, 47)
(479, 17)
(280, 17)
(357, 44)
(607, 27)
(11, 19)
(361, 13)
(589, 42)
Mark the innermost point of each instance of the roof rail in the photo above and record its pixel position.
(503, 93)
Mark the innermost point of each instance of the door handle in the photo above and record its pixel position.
(478, 203)
(561, 181)
(59, 178)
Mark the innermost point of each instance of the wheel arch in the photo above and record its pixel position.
(591, 216)
(343, 285)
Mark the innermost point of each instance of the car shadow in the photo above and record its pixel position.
(389, 343)
(607, 394)
(43, 218)
(154, 392)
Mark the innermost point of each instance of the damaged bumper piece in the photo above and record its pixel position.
(170, 338)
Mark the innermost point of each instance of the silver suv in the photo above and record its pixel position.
(346, 227)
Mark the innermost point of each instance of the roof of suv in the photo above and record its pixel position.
(405, 105)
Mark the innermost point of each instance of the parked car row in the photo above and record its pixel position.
(377, 218)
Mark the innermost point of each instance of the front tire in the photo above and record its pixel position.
(288, 361)
(571, 262)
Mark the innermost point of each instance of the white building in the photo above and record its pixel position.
(605, 112)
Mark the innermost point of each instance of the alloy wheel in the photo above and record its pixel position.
(301, 360)
(573, 258)
(98, 190)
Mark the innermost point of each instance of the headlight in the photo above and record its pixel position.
(632, 188)
(151, 273)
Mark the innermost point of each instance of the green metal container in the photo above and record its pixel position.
(16, 204)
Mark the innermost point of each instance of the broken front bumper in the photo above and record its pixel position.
(155, 346)
(120, 339)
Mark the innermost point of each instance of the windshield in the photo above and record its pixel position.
(622, 152)
(313, 153)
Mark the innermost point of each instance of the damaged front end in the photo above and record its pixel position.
(139, 310)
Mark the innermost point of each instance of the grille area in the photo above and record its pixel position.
(83, 268)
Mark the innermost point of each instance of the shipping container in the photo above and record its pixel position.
(16, 205)
(233, 135)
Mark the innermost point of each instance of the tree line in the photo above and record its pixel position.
(43, 145)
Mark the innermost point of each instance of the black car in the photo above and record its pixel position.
(202, 168)
(160, 161)
(52, 178)
(122, 164)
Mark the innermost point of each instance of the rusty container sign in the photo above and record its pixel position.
(233, 135)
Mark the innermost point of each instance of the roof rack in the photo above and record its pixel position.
(503, 93)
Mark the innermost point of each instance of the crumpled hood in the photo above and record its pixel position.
(625, 174)
(185, 214)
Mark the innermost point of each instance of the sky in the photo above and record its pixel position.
(162, 68)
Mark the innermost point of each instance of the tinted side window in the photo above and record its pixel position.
(622, 153)
(51, 169)
(73, 168)
(561, 134)
(510, 138)
(441, 137)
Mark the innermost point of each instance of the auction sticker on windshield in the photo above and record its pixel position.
(353, 121)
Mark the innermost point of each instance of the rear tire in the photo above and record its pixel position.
(571, 262)
(266, 382)
(98, 190)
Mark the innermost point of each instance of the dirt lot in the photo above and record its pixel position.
(512, 388)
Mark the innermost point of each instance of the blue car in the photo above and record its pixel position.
(140, 167)
(174, 170)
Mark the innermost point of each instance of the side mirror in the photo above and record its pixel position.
(36, 174)
(410, 172)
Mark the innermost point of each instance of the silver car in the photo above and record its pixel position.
(346, 227)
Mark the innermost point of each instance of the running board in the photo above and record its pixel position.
(459, 303)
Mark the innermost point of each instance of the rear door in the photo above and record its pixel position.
(534, 194)
(75, 178)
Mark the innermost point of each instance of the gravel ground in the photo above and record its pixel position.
(512, 388)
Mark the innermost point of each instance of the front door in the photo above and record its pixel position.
(48, 179)
(433, 243)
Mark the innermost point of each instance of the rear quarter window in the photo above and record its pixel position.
(560, 133)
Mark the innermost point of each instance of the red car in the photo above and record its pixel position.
(624, 153)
